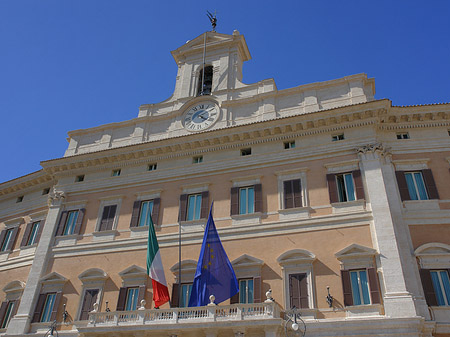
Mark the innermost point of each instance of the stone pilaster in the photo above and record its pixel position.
(403, 296)
(20, 323)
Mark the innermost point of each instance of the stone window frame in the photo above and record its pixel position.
(358, 257)
(189, 189)
(188, 269)
(13, 293)
(111, 233)
(92, 278)
(142, 231)
(297, 212)
(71, 239)
(250, 218)
(413, 165)
(297, 261)
(348, 166)
(14, 225)
(134, 276)
(248, 267)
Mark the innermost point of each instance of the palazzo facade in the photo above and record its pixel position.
(318, 190)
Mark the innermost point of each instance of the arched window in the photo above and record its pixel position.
(207, 81)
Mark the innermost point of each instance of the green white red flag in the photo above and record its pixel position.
(155, 268)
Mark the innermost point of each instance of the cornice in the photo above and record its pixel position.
(281, 128)
(27, 182)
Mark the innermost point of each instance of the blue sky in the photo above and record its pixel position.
(67, 65)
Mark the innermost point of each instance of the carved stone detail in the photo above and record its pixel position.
(55, 197)
(376, 148)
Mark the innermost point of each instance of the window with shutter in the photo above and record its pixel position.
(298, 291)
(108, 216)
(292, 194)
(360, 287)
(90, 297)
(416, 185)
(345, 187)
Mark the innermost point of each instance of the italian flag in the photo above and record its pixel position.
(155, 268)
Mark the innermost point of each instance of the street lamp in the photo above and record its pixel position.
(294, 326)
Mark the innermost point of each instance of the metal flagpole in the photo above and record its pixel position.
(203, 71)
(179, 264)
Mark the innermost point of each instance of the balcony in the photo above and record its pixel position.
(257, 316)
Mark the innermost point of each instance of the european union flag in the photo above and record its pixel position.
(214, 274)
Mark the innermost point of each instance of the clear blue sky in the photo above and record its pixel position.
(76, 64)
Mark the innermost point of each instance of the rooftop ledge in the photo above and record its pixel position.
(165, 318)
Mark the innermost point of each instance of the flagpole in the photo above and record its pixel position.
(179, 264)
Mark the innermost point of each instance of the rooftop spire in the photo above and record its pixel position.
(213, 20)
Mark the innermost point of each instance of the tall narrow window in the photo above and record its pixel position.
(292, 193)
(360, 287)
(206, 81)
(90, 297)
(5, 244)
(416, 186)
(246, 200)
(298, 290)
(346, 189)
(194, 207)
(441, 285)
(48, 307)
(185, 294)
(33, 234)
(132, 299)
(8, 314)
(146, 213)
(70, 222)
(246, 291)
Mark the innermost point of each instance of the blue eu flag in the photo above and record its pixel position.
(214, 274)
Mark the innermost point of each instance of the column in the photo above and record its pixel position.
(20, 323)
(403, 296)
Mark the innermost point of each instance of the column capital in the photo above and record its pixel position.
(55, 198)
(374, 151)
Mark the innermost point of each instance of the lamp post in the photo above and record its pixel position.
(294, 326)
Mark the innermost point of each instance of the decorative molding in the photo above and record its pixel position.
(378, 148)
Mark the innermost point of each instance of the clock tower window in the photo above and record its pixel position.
(206, 80)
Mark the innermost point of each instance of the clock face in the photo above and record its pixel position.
(201, 116)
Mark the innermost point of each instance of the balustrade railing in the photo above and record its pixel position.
(234, 312)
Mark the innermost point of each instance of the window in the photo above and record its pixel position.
(292, 193)
(289, 145)
(8, 310)
(436, 286)
(185, 295)
(130, 298)
(19, 199)
(246, 291)
(46, 191)
(246, 152)
(360, 287)
(108, 217)
(152, 167)
(145, 212)
(404, 135)
(46, 307)
(416, 185)
(116, 173)
(79, 178)
(345, 187)
(246, 199)
(194, 206)
(335, 138)
(145, 215)
(89, 299)
(6, 242)
(70, 222)
(32, 234)
(298, 291)
(206, 81)
(441, 286)
(197, 159)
